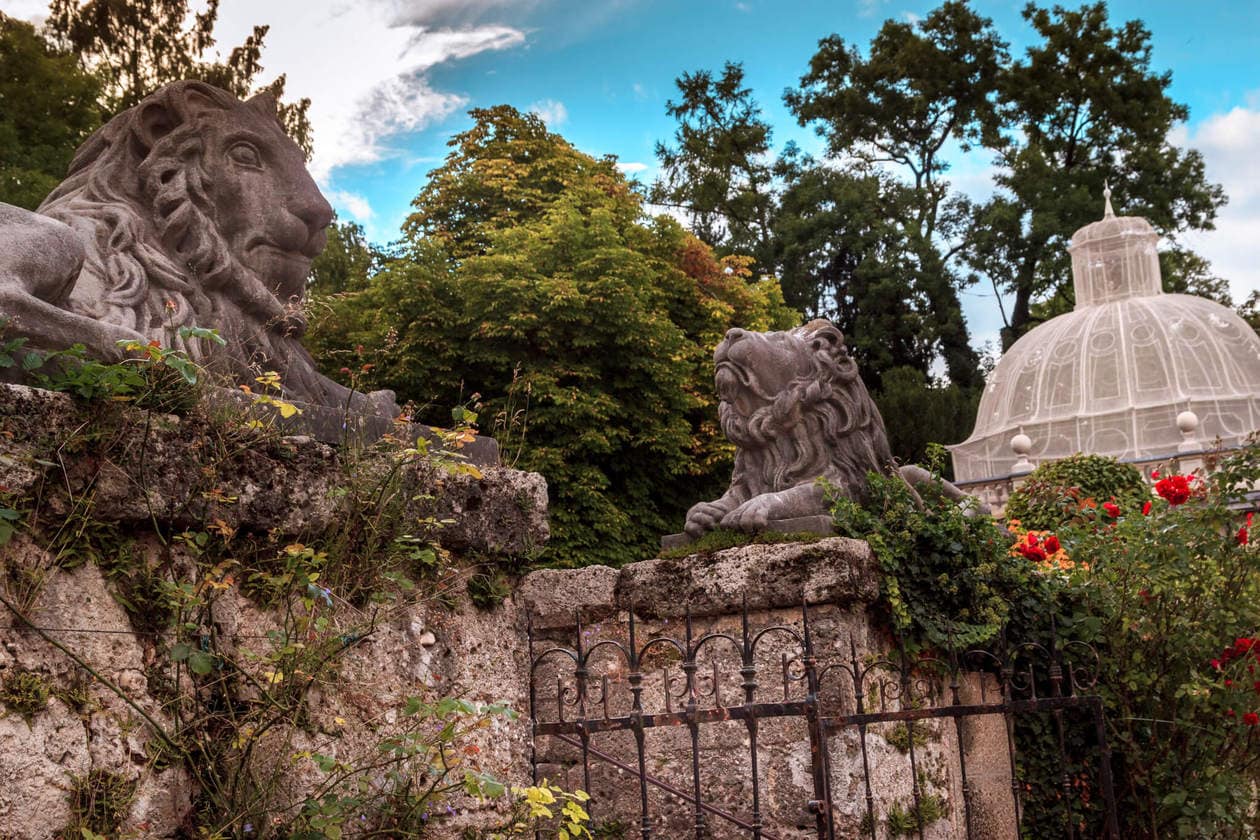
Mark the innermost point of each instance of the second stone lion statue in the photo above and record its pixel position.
(192, 208)
(795, 408)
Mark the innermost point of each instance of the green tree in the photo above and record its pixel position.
(531, 278)
(346, 262)
(919, 88)
(918, 412)
(136, 46)
(506, 170)
(1082, 108)
(48, 106)
(720, 171)
(843, 256)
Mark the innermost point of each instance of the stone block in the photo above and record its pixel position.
(836, 570)
(550, 596)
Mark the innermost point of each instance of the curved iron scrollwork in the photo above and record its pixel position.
(620, 683)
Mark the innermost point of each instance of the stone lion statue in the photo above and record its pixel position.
(192, 208)
(795, 408)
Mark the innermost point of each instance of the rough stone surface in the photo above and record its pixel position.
(190, 209)
(550, 596)
(496, 510)
(836, 570)
(822, 525)
(40, 759)
(141, 466)
(354, 426)
(425, 650)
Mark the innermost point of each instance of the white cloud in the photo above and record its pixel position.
(631, 167)
(869, 8)
(34, 11)
(1228, 144)
(364, 65)
(551, 111)
(354, 204)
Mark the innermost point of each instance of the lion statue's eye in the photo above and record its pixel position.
(245, 154)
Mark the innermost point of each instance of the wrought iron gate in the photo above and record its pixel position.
(611, 679)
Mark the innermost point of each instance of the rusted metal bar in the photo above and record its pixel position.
(748, 674)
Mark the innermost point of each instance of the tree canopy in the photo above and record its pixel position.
(531, 283)
(136, 46)
(874, 235)
(48, 106)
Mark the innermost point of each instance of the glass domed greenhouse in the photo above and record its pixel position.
(1131, 372)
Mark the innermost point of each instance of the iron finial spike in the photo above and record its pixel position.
(805, 620)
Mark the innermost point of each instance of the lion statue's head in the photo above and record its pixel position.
(196, 209)
(793, 404)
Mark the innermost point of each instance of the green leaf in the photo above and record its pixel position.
(201, 663)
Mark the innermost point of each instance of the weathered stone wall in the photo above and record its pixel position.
(149, 474)
(141, 474)
(836, 579)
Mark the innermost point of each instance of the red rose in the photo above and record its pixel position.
(1229, 713)
(1251, 718)
(1242, 534)
(1146, 509)
(1174, 488)
(1051, 544)
(1216, 664)
(1112, 509)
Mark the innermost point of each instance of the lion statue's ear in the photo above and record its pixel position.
(171, 107)
(264, 103)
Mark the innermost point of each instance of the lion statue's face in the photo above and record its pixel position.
(263, 203)
(753, 368)
(221, 191)
(244, 177)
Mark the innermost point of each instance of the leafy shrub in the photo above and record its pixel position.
(1166, 597)
(947, 577)
(1053, 492)
(24, 692)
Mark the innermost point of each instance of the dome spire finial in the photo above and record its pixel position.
(1108, 213)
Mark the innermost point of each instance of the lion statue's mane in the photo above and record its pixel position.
(823, 424)
(795, 407)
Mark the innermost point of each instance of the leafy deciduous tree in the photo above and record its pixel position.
(918, 88)
(532, 278)
(48, 106)
(1083, 107)
(139, 45)
(720, 172)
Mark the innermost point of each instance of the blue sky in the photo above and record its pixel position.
(391, 81)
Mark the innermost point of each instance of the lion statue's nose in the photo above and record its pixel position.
(735, 334)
